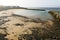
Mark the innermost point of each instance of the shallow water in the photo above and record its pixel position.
(43, 15)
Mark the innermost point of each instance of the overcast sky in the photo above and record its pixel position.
(31, 3)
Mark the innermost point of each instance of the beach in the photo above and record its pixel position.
(18, 27)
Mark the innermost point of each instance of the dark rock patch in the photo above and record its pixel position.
(39, 34)
(15, 35)
(12, 39)
(2, 37)
(18, 24)
(4, 19)
(12, 32)
(37, 20)
(26, 37)
(3, 28)
(20, 16)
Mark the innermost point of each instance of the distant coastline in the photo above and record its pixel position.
(18, 7)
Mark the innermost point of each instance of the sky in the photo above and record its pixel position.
(31, 3)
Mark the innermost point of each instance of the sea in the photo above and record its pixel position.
(43, 15)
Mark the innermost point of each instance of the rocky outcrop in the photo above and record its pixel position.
(56, 15)
(17, 27)
(56, 21)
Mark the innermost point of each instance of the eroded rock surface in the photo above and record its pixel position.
(14, 27)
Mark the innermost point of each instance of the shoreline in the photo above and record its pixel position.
(16, 27)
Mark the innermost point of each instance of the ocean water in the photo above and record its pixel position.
(47, 8)
(43, 15)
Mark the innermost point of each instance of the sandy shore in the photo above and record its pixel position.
(15, 27)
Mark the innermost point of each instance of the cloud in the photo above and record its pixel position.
(31, 3)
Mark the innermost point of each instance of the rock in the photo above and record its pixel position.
(2, 37)
(16, 27)
(2, 31)
(37, 20)
(56, 15)
(18, 24)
